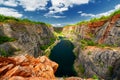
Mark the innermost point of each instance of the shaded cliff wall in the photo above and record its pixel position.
(29, 38)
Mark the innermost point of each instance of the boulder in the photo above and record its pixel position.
(26, 67)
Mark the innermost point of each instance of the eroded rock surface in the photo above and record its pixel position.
(99, 61)
(27, 68)
(93, 59)
(29, 38)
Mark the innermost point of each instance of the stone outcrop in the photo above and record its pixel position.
(27, 68)
(28, 37)
(96, 60)
(102, 32)
(99, 61)
(110, 32)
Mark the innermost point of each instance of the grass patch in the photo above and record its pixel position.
(85, 42)
(115, 12)
(95, 77)
(102, 18)
(106, 45)
(4, 39)
(81, 69)
(25, 20)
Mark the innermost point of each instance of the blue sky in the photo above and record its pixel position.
(58, 12)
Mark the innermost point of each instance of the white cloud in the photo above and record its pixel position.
(80, 12)
(59, 6)
(87, 15)
(10, 12)
(32, 5)
(12, 3)
(100, 14)
(28, 5)
(79, 2)
(57, 25)
(59, 16)
(117, 6)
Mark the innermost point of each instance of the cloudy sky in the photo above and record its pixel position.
(58, 12)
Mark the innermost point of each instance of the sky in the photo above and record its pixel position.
(58, 12)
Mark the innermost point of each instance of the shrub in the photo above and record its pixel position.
(81, 69)
(3, 53)
(95, 77)
(2, 18)
(44, 47)
(6, 39)
(110, 68)
(85, 42)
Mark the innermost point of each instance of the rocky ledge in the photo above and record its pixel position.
(27, 68)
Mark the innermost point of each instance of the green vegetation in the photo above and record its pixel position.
(106, 45)
(81, 68)
(82, 22)
(110, 68)
(3, 53)
(85, 42)
(4, 39)
(58, 29)
(9, 18)
(89, 53)
(5, 18)
(101, 45)
(102, 18)
(7, 53)
(44, 47)
(115, 12)
(95, 77)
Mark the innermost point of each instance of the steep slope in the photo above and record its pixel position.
(106, 31)
(97, 47)
(28, 37)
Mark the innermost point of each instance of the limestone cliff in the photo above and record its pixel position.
(97, 47)
(105, 31)
(29, 38)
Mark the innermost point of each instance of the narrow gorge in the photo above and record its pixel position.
(85, 50)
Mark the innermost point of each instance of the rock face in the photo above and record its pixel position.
(27, 68)
(29, 38)
(105, 32)
(99, 61)
(110, 32)
(95, 60)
